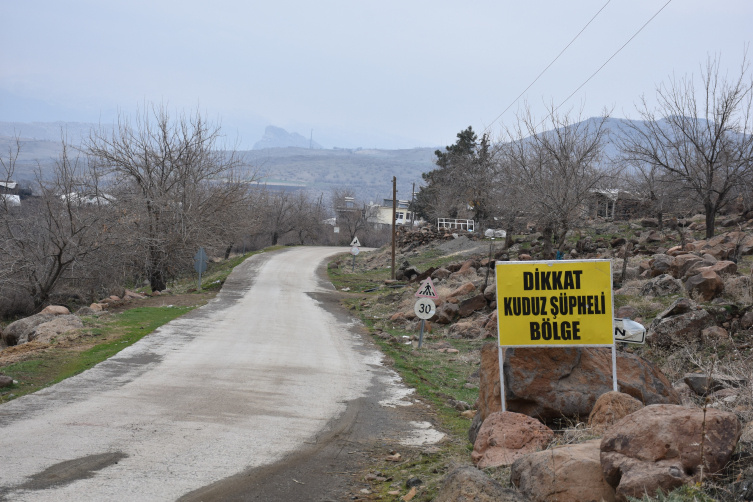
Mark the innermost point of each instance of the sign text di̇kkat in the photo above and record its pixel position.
(555, 303)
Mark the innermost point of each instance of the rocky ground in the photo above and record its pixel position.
(681, 422)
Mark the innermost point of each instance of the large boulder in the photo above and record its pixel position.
(626, 311)
(468, 484)
(462, 290)
(723, 246)
(548, 383)
(696, 268)
(45, 332)
(681, 324)
(609, 409)
(469, 306)
(504, 437)
(490, 293)
(440, 273)
(707, 284)
(446, 313)
(722, 267)
(468, 330)
(18, 332)
(661, 264)
(570, 473)
(661, 285)
(682, 263)
(659, 447)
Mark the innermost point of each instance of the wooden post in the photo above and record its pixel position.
(412, 214)
(394, 221)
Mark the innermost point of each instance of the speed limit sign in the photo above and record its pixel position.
(424, 308)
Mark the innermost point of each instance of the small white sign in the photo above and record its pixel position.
(629, 331)
(337, 230)
(424, 308)
(427, 289)
(354, 251)
(355, 242)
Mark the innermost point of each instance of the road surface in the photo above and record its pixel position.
(239, 384)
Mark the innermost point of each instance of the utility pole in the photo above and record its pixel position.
(394, 221)
(311, 140)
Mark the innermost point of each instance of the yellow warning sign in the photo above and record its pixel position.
(555, 303)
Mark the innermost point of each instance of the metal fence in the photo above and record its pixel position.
(457, 224)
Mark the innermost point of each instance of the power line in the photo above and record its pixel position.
(545, 69)
(608, 60)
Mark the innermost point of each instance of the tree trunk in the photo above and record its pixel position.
(626, 249)
(227, 250)
(660, 219)
(274, 238)
(508, 237)
(157, 281)
(710, 214)
(546, 252)
(561, 242)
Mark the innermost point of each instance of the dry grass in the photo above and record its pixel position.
(738, 289)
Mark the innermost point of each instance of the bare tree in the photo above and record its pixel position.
(556, 171)
(173, 183)
(658, 191)
(57, 236)
(701, 137)
(353, 215)
(310, 214)
(281, 216)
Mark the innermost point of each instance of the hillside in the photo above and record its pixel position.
(369, 172)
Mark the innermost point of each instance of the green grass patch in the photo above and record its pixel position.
(215, 275)
(108, 336)
(437, 378)
(686, 493)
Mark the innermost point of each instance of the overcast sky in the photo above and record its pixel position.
(387, 74)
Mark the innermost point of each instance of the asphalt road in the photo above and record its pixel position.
(242, 383)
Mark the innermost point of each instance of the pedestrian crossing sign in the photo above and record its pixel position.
(427, 289)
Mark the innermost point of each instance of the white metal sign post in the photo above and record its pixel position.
(555, 304)
(425, 308)
(354, 251)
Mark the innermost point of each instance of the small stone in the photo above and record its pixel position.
(413, 482)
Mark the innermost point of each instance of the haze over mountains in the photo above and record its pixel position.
(284, 158)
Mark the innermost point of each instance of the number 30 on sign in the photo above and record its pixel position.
(424, 308)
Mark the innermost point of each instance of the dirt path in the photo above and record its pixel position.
(230, 402)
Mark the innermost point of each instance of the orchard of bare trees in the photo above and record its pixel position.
(132, 204)
(691, 152)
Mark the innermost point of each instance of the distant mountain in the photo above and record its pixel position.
(277, 137)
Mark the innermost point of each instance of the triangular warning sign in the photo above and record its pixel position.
(427, 289)
(355, 242)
